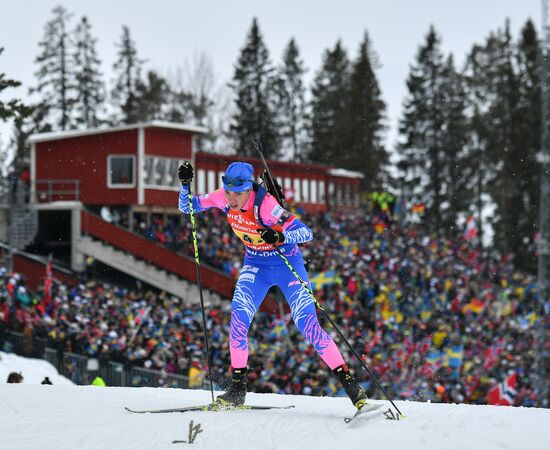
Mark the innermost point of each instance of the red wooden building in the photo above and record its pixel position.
(134, 168)
(137, 165)
(131, 165)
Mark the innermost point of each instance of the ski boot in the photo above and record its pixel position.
(236, 393)
(354, 391)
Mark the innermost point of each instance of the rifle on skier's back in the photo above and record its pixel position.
(271, 183)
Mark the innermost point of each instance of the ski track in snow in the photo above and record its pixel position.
(64, 416)
(86, 417)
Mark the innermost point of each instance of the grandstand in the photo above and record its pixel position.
(433, 317)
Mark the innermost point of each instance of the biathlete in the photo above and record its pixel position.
(263, 268)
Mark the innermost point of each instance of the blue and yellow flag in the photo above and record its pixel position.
(435, 359)
(325, 278)
(279, 329)
(455, 355)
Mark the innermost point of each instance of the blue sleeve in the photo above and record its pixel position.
(183, 202)
(296, 232)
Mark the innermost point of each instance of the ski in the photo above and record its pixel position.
(210, 407)
(365, 412)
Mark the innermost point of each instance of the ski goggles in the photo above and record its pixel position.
(234, 182)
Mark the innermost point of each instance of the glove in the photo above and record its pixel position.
(271, 236)
(185, 173)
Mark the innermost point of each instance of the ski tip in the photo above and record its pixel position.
(366, 411)
(130, 410)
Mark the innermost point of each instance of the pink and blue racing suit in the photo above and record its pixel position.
(263, 268)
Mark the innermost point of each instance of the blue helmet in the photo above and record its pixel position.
(238, 177)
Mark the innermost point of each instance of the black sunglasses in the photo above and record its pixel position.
(234, 181)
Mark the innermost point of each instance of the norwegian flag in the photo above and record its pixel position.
(48, 283)
(504, 393)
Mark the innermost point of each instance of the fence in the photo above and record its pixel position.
(47, 191)
(82, 370)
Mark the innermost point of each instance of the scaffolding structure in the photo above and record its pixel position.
(542, 355)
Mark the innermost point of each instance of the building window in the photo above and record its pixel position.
(211, 185)
(121, 171)
(161, 173)
(321, 192)
(305, 191)
(297, 190)
(201, 181)
(313, 191)
(331, 194)
(172, 173)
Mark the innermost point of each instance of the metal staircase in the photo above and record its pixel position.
(18, 215)
(142, 270)
(23, 225)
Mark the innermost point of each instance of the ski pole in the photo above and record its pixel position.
(280, 200)
(309, 291)
(199, 283)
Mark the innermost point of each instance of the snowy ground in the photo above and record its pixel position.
(84, 417)
(33, 370)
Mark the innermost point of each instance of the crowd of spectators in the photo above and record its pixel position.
(435, 318)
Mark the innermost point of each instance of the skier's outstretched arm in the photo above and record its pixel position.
(200, 202)
(183, 201)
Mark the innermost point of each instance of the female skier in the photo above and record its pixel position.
(263, 267)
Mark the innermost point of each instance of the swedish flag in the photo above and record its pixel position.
(322, 279)
(455, 355)
(435, 358)
(279, 329)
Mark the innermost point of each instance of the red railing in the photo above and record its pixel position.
(155, 254)
(47, 191)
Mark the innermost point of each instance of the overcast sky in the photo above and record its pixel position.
(169, 31)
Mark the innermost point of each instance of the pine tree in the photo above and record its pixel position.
(427, 160)
(502, 84)
(90, 90)
(55, 74)
(458, 191)
(152, 100)
(327, 128)
(503, 78)
(528, 121)
(364, 122)
(18, 142)
(292, 104)
(128, 74)
(506, 148)
(23, 127)
(12, 108)
(253, 86)
(478, 164)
